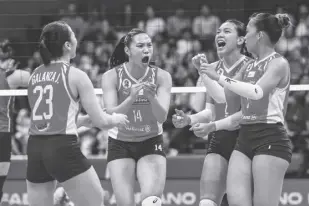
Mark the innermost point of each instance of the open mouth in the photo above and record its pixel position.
(221, 44)
(145, 59)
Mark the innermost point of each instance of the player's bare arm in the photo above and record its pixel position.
(89, 101)
(161, 101)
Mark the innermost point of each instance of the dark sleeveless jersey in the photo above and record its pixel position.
(6, 106)
(143, 124)
(269, 109)
(232, 104)
(54, 110)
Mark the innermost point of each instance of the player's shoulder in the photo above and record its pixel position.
(76, 71)
(77, 75)
(38, 68)
(112, 73)
(163, 75)
(278, 59)
(279, 63)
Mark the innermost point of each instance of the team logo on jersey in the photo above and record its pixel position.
(42, 127)
(249, 67)
(251, 74)
(220, 71)
(126, 84)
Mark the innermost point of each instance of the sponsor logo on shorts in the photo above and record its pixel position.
(147, 128)
(144, 128)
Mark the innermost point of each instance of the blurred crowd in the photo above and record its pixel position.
(176, 39)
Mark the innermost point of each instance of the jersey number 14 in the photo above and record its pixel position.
(137, 115)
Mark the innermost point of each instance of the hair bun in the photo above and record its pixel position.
(284, 20)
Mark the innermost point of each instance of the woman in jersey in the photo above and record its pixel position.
(142, 92)
(55, 91)
(230, 47)
(263, 150)
(10, 78)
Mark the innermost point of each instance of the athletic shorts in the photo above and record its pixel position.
(54, 157)
(118, 149)
(268, 139)
(5, 146)
(223, 143)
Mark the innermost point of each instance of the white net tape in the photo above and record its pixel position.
(23, 92)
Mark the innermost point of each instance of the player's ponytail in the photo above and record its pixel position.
(118, 56)
(245, 52)
(284, 20)
(45, 53)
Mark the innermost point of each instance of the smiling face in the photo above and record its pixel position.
(227, 39)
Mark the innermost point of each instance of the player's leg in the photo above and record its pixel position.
(5, 158)
(213, 180)
(41, 193)
(40, 185)
(84, 189)
(239, 180)
(268, 175)
(151, 171)
(214, 173)
(270, 163)
(121, 166)
(64, 160)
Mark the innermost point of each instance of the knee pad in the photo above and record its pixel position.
(207, 202)
(152, 201)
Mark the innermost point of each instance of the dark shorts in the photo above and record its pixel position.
(223, 143)
(268, 139)
(5, 147)
(54, 157)
(118, 149)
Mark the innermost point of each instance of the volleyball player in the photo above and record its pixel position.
(10, 78)
(141, 91)
(263, 150)
(54, 92)
(230, 46)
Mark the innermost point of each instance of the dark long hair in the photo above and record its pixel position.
(119, 56)
(241, 31)
(52, 39)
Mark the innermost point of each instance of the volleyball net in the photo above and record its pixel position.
(175, 90)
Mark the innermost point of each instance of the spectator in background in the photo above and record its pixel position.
(205, 27)
(288, 42)
(76, 22)
(153, 24)
(185, 44)
(177, 23)
(93, 25)
(302, 29)
(127, 18)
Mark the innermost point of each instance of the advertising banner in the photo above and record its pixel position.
(177, 192)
